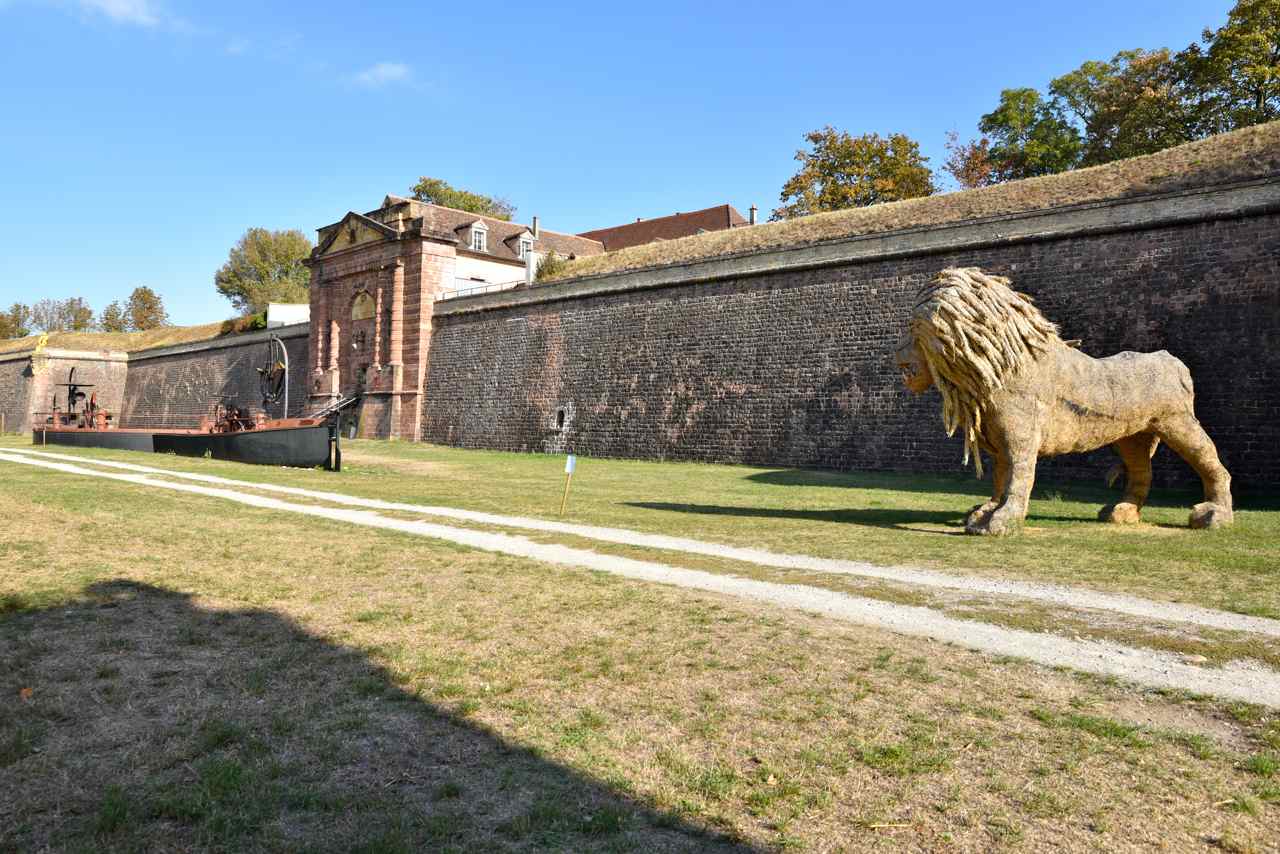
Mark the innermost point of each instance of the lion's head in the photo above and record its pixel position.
(916, 375)
(969, 332)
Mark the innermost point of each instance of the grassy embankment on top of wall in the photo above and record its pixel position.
(163, 336)
(1252, 152)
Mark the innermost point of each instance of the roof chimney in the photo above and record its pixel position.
(535, 228)
(754, 210)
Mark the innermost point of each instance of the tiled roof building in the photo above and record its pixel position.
(718, 218)
(501, 241)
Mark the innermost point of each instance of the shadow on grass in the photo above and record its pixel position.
(966, 486)
(895, 481)
(876, 517)
(134, 720)
(902, 519)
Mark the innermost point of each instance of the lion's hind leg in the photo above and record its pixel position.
(1188, 440)
(1135, 452)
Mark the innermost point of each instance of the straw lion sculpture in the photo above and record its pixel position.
(1019, 392)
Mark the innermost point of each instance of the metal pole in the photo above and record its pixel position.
(565, 500)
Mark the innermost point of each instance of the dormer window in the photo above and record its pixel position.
(526, 246)
(479, 238)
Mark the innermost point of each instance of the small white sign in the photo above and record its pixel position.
(570, 464)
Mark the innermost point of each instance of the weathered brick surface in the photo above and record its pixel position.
(15, 392)
(29, 384)
(389, 351)
(796, 368)
(178, 389)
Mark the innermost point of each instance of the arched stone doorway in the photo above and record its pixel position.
(359, 343)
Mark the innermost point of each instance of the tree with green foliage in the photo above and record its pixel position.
(1235, 72)
(1135, 104)
(68, 315)
(1029, 136)
(145, 310)
(438, 192)
(113, 318)
(969, 163)
(15, 323)
(842, 171)
(1139, 102)
(79, 316)
(46, 315)
(263, 267)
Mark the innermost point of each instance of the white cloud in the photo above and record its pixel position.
(383, 74)
(144, 13)
(237, 46)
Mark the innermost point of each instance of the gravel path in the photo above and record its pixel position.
(1255, 684)
(1072, 597)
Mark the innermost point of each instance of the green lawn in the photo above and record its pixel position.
(882, 518)
(181, 673)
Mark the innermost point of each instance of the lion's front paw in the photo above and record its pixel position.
(1120, 513)
(1209, 515)
(979, 514)
(994, 525)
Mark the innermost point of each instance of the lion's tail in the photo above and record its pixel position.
(1114, 474)
(1117, 471)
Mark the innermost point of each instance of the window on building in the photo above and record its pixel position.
(479, 239)
(526, 246)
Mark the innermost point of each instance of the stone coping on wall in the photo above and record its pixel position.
(293, 330)
(1185, 206)
(57, 353)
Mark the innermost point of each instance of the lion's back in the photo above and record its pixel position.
(1125, 383)
(1093, 401)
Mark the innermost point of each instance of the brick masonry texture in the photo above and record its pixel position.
(178, 389)
(796, 368)
(15, 391)
(29, 384)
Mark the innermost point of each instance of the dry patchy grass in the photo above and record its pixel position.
(162, 336)
(180, 673)
(879, 517)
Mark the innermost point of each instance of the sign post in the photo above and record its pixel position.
(570, 464)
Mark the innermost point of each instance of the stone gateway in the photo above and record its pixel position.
(375, 279)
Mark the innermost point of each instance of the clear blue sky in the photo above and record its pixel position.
(139, 138)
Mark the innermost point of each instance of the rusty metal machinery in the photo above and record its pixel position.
(82, 409)
(229, 418)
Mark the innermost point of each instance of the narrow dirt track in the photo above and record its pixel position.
(1254, 684)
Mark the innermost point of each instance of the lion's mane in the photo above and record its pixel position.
(975, 332)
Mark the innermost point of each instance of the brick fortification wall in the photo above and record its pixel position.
(15, 391)
(29, 381)
(786, 358)
(176, 386)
